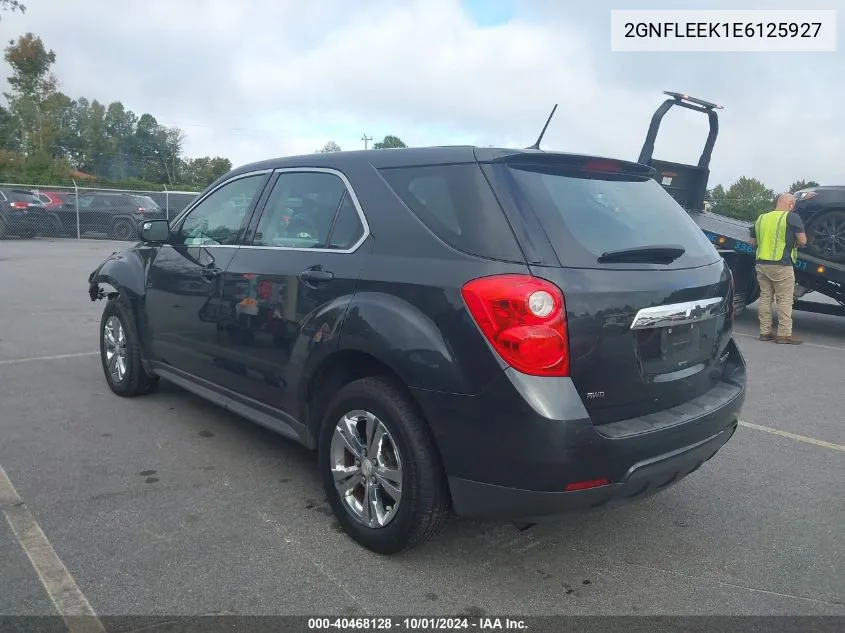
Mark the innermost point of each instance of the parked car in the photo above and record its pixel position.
(823, 211)
(508, 334)
(114, 213)
(173, 202)
(21, 213)
(53, 200)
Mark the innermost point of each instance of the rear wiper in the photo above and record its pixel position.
(656, 254)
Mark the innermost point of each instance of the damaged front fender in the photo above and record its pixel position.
(125, 272)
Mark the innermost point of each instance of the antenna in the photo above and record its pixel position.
(543, 133)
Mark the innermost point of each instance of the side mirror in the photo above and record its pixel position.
(156, 231)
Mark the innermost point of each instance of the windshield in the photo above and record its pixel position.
(587, 216)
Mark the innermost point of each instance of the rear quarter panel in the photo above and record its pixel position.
(408, 310)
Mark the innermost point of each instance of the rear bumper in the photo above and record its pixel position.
(480, 500)
(25, 222)
(511, 452)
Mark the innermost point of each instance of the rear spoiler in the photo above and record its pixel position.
(570, 162)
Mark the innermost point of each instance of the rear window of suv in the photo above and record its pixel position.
(588, 214)
(455, 203)
(18, 195)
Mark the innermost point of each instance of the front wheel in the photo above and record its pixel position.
(120, 351)
(380, 468)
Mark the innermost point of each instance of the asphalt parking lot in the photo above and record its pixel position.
(168, 505)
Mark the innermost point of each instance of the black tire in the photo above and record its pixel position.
(134, 381)
(53, 228)
(819, 238)
(424, 504)
(123, 229)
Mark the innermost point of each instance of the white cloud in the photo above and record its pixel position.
(250, 80)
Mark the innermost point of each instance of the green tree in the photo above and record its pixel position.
(119, 126)
(32, 86)
(201, 172)
(331, 146)
(45, 134)
(389, 141)
(798, 185)
(59, 124)
(745, 199)
(8, 130)
(94, 140)
(169, 144)
(157, 150)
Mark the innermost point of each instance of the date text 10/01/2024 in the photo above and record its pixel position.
(416, 624)
(723, 29)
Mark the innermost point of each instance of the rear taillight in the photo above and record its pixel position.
(140, 210)
(20, 205)
(524, 319)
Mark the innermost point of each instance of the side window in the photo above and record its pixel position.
(217, 220)
(432, 193)
(85, 201)
(457, 204)
(347, 227)
(300, 210)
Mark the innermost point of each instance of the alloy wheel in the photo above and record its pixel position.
(367, 468)
(114, 340)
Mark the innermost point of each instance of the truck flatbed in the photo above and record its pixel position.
(687, 184)
(730, 235)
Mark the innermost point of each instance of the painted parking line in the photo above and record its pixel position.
(805, 344)
(32, 359)
(69, 601)
(793, 436)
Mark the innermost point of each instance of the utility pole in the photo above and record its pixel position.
(366, 139)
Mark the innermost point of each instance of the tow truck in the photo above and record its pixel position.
(687, 184)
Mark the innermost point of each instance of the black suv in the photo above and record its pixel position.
(116, 214)
(21, 213)
(507, 334)
(172, 202)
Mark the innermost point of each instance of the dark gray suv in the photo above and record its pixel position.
(508, 334)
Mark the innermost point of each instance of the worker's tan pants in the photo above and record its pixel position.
(777, 282)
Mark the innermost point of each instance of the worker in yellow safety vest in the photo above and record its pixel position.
(777, 235)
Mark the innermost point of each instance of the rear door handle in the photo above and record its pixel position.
(316, 275)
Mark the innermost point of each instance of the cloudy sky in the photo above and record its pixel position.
(250, 79)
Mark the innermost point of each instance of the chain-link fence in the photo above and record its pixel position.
(31, 211)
